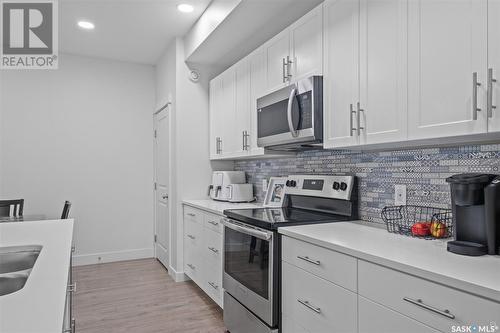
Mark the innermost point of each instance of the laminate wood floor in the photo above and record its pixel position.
(140, 297)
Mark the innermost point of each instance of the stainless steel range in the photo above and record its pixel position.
(252, 247)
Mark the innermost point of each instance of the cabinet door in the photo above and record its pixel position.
(374, 318)
(242, 109)
(257, 62)
(227, 119)
(277, 50)
(306, 36)
(494, 63)
(383, 65)
(447, 43)
(341, 65)
(215, 95)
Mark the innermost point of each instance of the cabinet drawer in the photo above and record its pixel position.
(330, 265)
(213, 283)
(213, 222)
(192, 265)
(374, 318)
(212, 248)
(192, 235)
(402, 292)
(193, 214)
(317, 304)
(290, 326)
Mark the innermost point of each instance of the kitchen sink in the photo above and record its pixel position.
(13, 282)
(16, 263)
(18, 258)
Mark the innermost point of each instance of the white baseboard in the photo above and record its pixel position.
(99, 258)
(177, 276)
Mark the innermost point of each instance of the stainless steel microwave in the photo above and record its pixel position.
(292, 117)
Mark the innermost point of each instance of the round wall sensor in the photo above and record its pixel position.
(194, 75)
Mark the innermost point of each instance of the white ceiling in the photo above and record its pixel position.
(127, 30)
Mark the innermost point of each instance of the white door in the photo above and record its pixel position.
(383, 67)
(162, 160)
(306, 36)
(494, 64)
(257, 62)
(242, 108)
(277, 53)
(341, 67)
(447, 44)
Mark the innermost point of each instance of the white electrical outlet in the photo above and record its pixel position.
(400, 195)
(264, 185)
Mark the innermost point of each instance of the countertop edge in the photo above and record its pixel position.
(447, 281)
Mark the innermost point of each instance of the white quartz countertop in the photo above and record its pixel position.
(217, 207)
(428, 259)
(39, 306)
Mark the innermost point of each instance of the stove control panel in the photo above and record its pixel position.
(331, 186)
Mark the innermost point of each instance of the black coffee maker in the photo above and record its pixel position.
(476, 214)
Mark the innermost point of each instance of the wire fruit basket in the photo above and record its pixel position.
(418, 221)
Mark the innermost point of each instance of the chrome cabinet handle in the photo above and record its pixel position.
(213, 285)
(73, 325)
(420, 303)
(309, 305)
(491, 80)
(309, 260)
(213, 223)
(359, 118)
(284, 75)
(191, 236)
(191, 214)
(191, 266)
(72, 287)
(245, 140)
(293, 131)
(351, 114)
(288, 68)
(213, 249)
(475, 84)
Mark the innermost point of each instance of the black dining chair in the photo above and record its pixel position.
(65, 212)
(11, 208)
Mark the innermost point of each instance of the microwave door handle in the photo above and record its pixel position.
(293, 131)
(249, 231)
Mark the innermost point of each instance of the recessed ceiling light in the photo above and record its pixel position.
(86, 25)
(185, 8)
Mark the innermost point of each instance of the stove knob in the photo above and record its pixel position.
(288, 183)
(336, 186)
(293, 183)
(343, 186)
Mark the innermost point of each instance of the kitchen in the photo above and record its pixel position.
(252, 166)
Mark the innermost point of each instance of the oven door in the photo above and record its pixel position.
(249, 268)
(291, 115)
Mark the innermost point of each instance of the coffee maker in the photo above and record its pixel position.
(476, 214)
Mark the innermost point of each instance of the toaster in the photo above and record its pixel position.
(240, 193)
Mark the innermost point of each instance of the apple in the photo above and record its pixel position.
(438, 229)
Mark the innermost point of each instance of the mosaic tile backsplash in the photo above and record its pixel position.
(423, 171)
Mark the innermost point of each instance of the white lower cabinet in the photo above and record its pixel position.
(385, 300)
(374, 318)
(203, 251)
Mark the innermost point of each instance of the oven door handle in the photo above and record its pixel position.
(293, 131)
(246, 230)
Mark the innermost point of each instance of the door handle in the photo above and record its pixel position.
(490, 106)
(288, 68)
(475, 84)
(284, 75)
(351, 114)
(165, 196)
(293, 131)
(359, 118)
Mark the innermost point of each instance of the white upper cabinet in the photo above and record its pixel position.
(215, 99)
(306, 38)
(383, 79)
(493, 103)
(341, 77)
(257, 64)
(277, 54)
(242, 111)
(447, 49)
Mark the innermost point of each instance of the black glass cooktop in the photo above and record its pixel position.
(272, 218)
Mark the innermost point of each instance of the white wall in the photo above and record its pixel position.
(84, 133)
